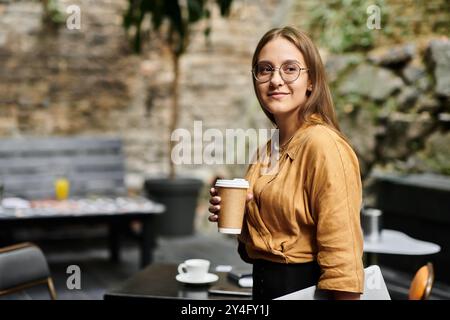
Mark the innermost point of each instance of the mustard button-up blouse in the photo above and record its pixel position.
(309, 209)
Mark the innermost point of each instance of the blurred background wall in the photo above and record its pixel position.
(55, 81)
(391, 85)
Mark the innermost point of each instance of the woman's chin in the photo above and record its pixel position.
(279, 110)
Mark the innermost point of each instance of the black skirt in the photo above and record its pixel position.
(272, 280)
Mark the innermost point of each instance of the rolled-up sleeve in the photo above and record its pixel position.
(334, 186)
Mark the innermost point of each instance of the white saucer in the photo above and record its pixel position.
(208, 278)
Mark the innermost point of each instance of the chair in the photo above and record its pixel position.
(422, 283)
(23, 266)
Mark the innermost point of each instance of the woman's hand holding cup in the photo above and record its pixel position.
(215, 199)
(214, 208)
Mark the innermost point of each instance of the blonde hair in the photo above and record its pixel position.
(319, 102)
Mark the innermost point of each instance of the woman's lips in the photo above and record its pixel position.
(277, 95)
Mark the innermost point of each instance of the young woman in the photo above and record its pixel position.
(302, 224)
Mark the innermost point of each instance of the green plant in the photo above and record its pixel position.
(52, 14)
(174, 18)
(341, 25)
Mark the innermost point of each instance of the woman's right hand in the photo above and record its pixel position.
(214, 208)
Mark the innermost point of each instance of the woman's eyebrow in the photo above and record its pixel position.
(286, 61)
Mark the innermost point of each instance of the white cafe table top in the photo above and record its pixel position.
(396, 242)
(374, 288)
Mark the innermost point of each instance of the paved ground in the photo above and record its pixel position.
(98, 274)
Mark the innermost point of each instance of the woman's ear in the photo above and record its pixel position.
(309, 89)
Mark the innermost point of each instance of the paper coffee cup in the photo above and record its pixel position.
(233, 194)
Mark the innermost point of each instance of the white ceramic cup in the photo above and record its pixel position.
(194, 269)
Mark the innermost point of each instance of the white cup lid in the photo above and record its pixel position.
(235, 183)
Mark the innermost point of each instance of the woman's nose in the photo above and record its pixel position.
(276, 79)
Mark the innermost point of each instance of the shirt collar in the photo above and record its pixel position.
(294, 144)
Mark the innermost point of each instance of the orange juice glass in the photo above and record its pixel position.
(62, 188)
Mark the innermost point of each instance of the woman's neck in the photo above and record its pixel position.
(288, 125)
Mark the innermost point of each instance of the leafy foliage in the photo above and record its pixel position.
(179, 15)
(52, 13)
(341, 25)
(176, 16)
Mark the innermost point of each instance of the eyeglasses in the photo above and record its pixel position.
(289, 71)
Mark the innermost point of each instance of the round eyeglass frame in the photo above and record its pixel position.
(279, 72)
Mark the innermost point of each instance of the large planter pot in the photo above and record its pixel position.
(180, 197)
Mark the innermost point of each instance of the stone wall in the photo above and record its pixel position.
(55, 81)
(401, 20)
(392, 102)
(60, 81)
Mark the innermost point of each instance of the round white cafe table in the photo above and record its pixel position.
(397, 242)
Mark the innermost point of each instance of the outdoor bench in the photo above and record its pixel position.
(94, 167)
